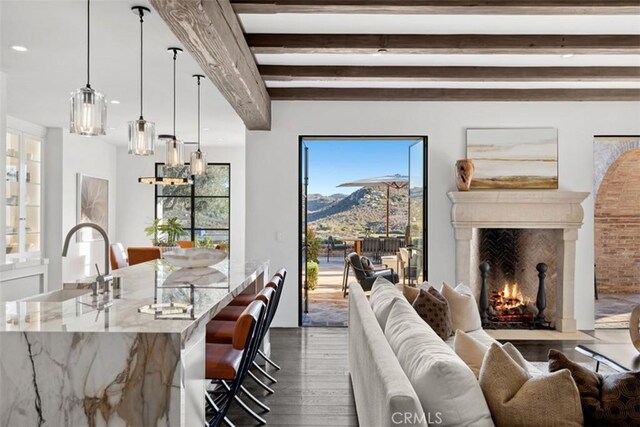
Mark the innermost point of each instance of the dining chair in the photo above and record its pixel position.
(138, 255)
(118, 256)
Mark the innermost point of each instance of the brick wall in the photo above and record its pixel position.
(617, 227)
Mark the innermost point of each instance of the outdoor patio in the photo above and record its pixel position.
(327, 306)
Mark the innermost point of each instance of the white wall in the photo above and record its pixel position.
(66, 155)
(135, 208)
(3, 152)
(272, 170)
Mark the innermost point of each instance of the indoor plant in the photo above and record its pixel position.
(165, 233)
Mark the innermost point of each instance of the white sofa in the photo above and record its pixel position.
(406, 375)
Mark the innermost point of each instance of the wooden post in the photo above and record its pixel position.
(388, 188)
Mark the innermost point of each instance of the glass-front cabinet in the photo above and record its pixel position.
(23, 195)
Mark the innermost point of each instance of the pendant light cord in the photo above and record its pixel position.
(198, 112)
(175, 55)
(141, 61)
(88, 40)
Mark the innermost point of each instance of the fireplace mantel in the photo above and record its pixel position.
(527, 209)
(517, 209)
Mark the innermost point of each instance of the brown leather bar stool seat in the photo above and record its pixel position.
(230, 312)
(243, 300)
(222, 361)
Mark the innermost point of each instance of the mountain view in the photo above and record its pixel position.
(348, 216)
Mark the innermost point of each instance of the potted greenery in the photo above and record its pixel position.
(165, 234)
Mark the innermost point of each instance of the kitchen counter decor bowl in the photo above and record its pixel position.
(194, 257)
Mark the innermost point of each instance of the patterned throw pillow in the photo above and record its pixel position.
(606, 400)
(434, 309)
(366, 264)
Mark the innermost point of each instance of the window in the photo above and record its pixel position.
(203, 209)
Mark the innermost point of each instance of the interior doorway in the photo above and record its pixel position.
(617, 230)
(363, 195)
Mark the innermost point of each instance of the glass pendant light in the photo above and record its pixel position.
(174, 147)
(198, 163)
(88, 106)
(142, 134)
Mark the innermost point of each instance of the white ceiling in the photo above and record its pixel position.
(439, 24)
(40, 80)
(443, 24)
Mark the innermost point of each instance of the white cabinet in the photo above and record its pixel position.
(23, 194)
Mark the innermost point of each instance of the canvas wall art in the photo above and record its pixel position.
(93, 206)
(514, 158)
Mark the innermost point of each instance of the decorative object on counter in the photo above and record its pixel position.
(194, 257)
(634, 326)
(464, 174)
(165, 233)
(12, 173)
(173, 146)
(160, 310)
(92, 205)
(142, 133)
(88, 106)
(514, 158)
(198, 165)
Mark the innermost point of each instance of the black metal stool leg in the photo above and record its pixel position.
(245, 408)
(260, 383)
(268, 360)
(254, 399)
(265, 373)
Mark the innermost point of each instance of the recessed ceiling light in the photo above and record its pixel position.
(380, 52)
(19, 48)
(567, 55)
(115, 101)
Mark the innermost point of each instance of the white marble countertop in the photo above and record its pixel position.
(142, 284)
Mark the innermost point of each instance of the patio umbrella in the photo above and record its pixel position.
(396, 181)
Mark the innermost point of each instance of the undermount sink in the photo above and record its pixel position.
(58, 296)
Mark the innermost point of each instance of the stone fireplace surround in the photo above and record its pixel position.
(523, 209)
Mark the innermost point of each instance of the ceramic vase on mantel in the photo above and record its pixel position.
(464, 174)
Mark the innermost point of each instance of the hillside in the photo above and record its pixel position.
(348, 217)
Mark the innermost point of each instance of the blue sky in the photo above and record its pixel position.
(333, 162)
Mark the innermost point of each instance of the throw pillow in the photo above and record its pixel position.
(472, 352)
(366, 264)
(409, 292)
(383, 295)
(464, 309)
(433, 309)
(606, 400)
(517, 399)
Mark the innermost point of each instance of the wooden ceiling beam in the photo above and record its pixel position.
(448, 7)
(210, 31)
(443, 44)
(473, 74)
(509, 95)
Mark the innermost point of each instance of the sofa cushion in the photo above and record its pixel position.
(606, 400)
(472, 352)
(383, 296)
(517, 399)
(444, 384)
(432, 307)
(464, 309)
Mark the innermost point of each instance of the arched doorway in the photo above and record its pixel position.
(617, 232)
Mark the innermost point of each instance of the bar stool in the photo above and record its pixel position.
(228, 364)
(245, 299)
(225, 331)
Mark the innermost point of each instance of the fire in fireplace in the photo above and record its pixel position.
(509, 308)
(509, 305)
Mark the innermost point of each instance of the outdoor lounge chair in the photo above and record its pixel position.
(365, 277)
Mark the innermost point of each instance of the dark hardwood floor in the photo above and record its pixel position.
(313, 386)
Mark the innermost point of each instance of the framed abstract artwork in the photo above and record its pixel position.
(525, 158)
(93, 206)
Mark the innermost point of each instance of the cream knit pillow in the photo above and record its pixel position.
(464, 310)
(472, 352)
(517, 399)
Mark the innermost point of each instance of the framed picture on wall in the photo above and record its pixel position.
(92, 206)
(519, 158)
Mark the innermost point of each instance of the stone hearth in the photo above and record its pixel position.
(557, 215)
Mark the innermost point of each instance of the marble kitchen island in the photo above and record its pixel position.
(70, 359)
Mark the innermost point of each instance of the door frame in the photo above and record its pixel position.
(301, 140)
